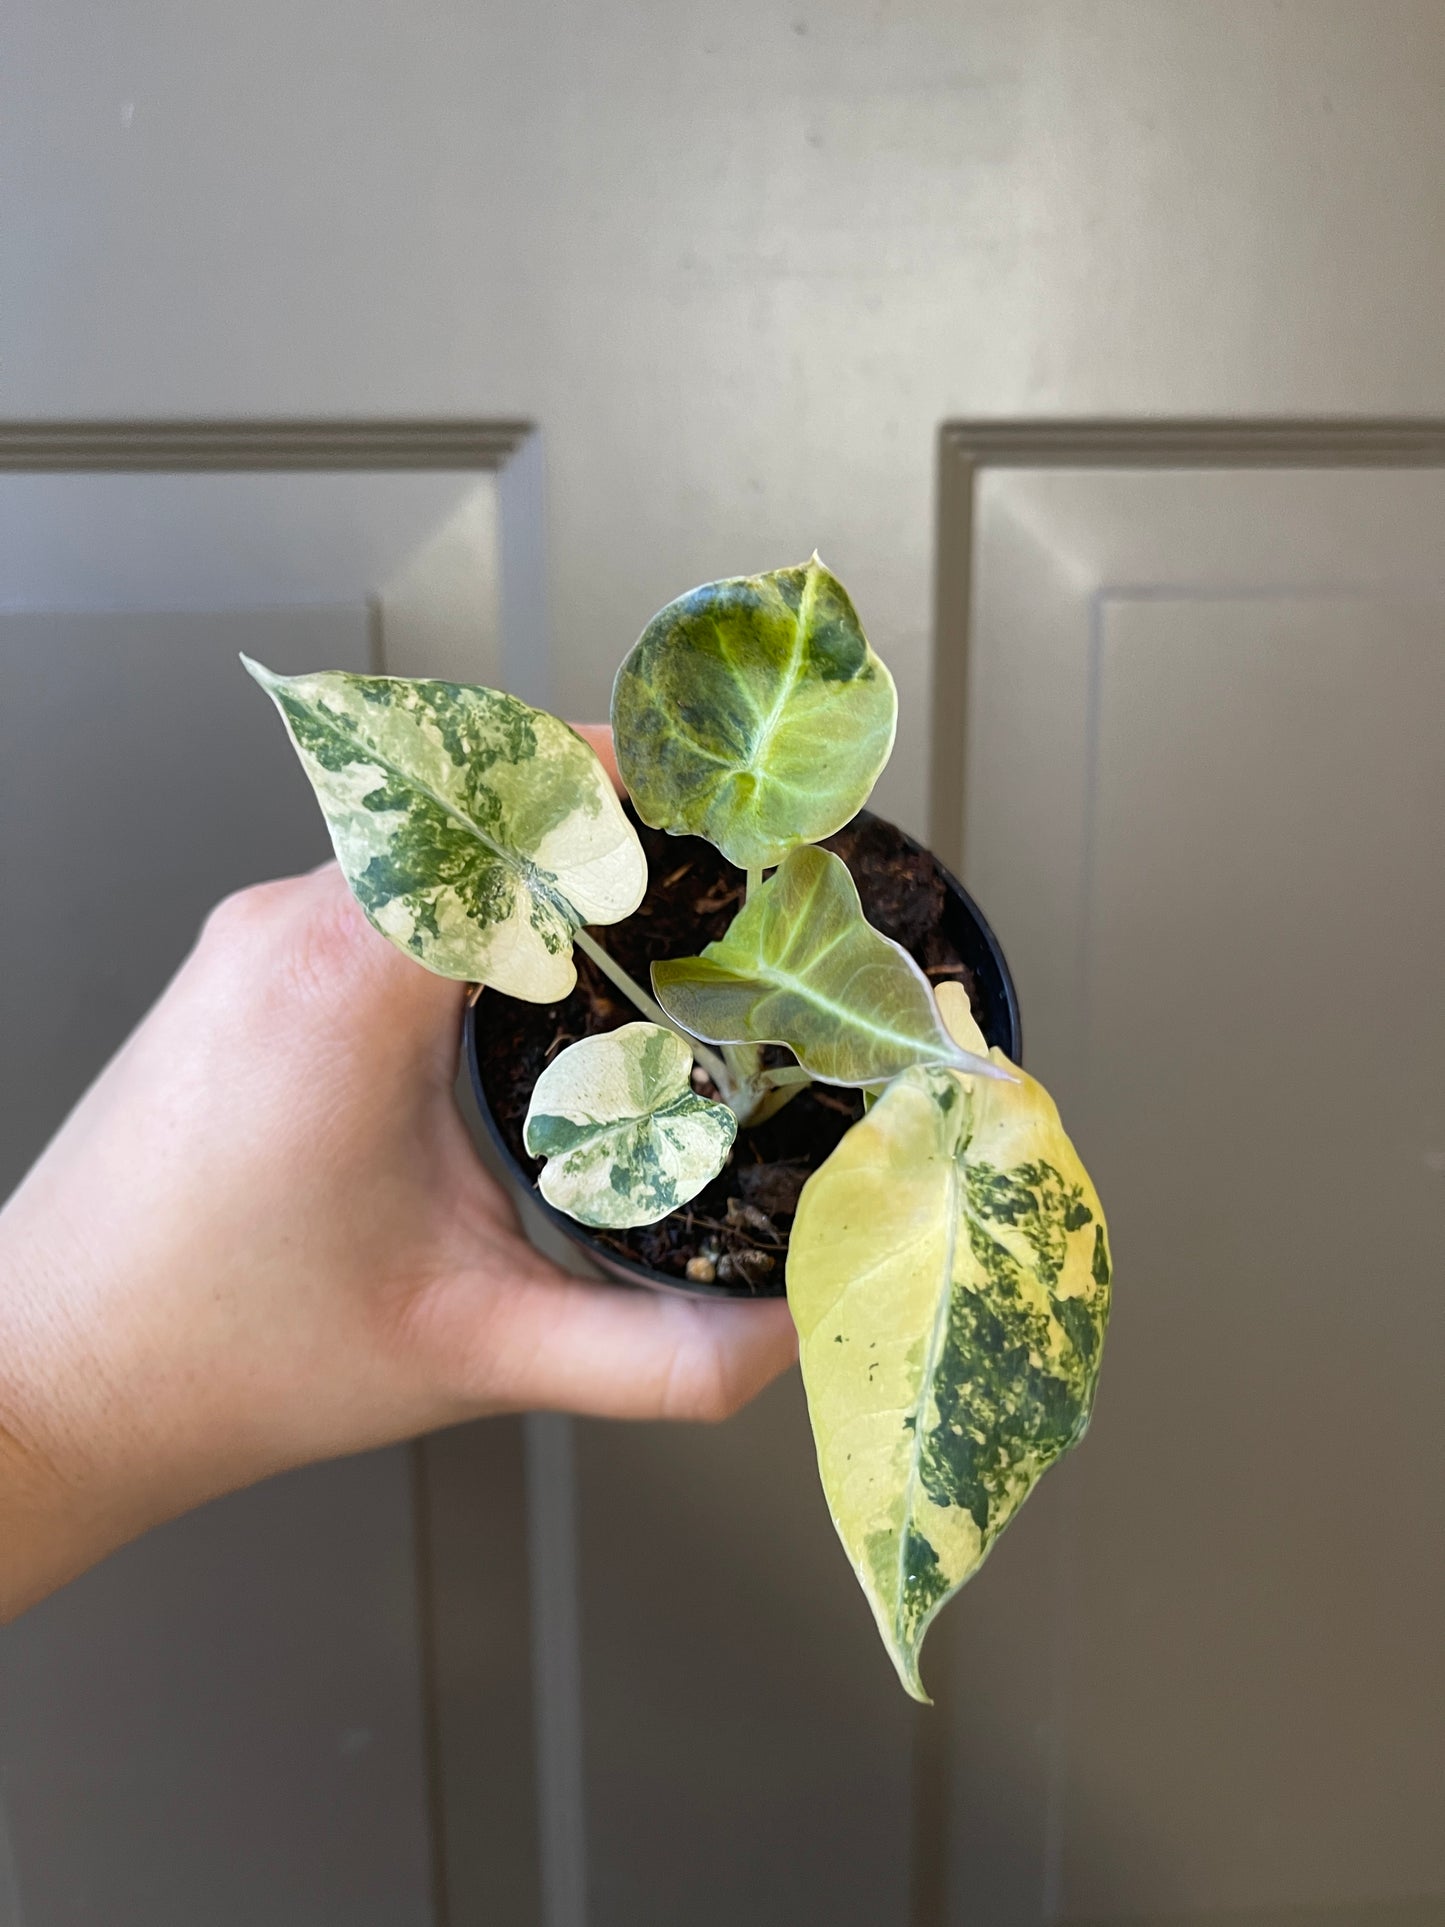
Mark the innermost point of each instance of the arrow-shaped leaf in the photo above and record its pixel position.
(626, 1137)
(949, 1274)
(477, 833)
(753, 712)
(800, 965)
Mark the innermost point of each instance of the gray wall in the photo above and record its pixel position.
(739, 261)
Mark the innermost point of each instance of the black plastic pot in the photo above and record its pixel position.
(965, 927)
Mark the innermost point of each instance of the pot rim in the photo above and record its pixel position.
(628, 1270)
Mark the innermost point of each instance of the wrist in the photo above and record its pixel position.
(41, 1540)
(66, 1498)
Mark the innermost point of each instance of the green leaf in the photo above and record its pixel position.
(753, 712)
(801, 966)
(949, 1274)
(626, 1137)
(476, 833)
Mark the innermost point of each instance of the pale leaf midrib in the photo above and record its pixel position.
(785, 980)
(781, 979)
(679, 728)
(526, 871)
(791, 675)
(596, 1128)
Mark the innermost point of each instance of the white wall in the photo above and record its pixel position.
(738, 259)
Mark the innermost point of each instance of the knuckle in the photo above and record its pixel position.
(240, 915)
(700, 1387)
(325, 944)
(722, 1400)
(289, 938)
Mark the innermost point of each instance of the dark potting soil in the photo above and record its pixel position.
(739, 1224)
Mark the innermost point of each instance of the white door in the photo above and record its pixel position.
(738, 265)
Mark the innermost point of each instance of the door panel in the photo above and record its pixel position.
(748, 1750)
(1206, 811)
(139, 782)
(223, 1722)
(1257, 1679)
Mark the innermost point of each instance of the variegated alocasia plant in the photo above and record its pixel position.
(801, 966)
(949, 1275)
(478, 834)
(948, 1266)
(626, 1137)
(753, 712)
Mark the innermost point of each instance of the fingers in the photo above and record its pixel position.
(604, 1351)
(304, 941)
(598, 736)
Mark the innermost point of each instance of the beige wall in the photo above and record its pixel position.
(739, 260)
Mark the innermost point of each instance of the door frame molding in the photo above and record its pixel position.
(176, 444)
(965, 448)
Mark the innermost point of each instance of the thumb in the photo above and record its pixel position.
(559, 1343)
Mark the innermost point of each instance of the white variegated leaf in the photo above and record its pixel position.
(625, 1136)
(753, 712)
(477, 833)
(949, 1274)
(800, 965)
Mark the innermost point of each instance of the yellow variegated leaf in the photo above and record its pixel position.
(949, 1275)
(626, 1137)
(957, 1014)
(477, 833)
(753, 712)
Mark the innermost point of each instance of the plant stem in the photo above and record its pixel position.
(777, 1088)
(755, 879)
(745, 1065)
(716, 1069)
(772, 1101)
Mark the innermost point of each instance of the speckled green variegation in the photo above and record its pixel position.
(800, 965)
(753, 712)
(477, 833)
(626, 1137)
(949, 1273)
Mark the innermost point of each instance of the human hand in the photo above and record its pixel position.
(264, 1237)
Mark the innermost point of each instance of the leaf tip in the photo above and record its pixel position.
(999, 1073)
(258, 672)
(905, 1662)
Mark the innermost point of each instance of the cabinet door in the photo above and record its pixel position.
(1205, 807)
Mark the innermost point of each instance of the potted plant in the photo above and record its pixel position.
(792, 1062)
